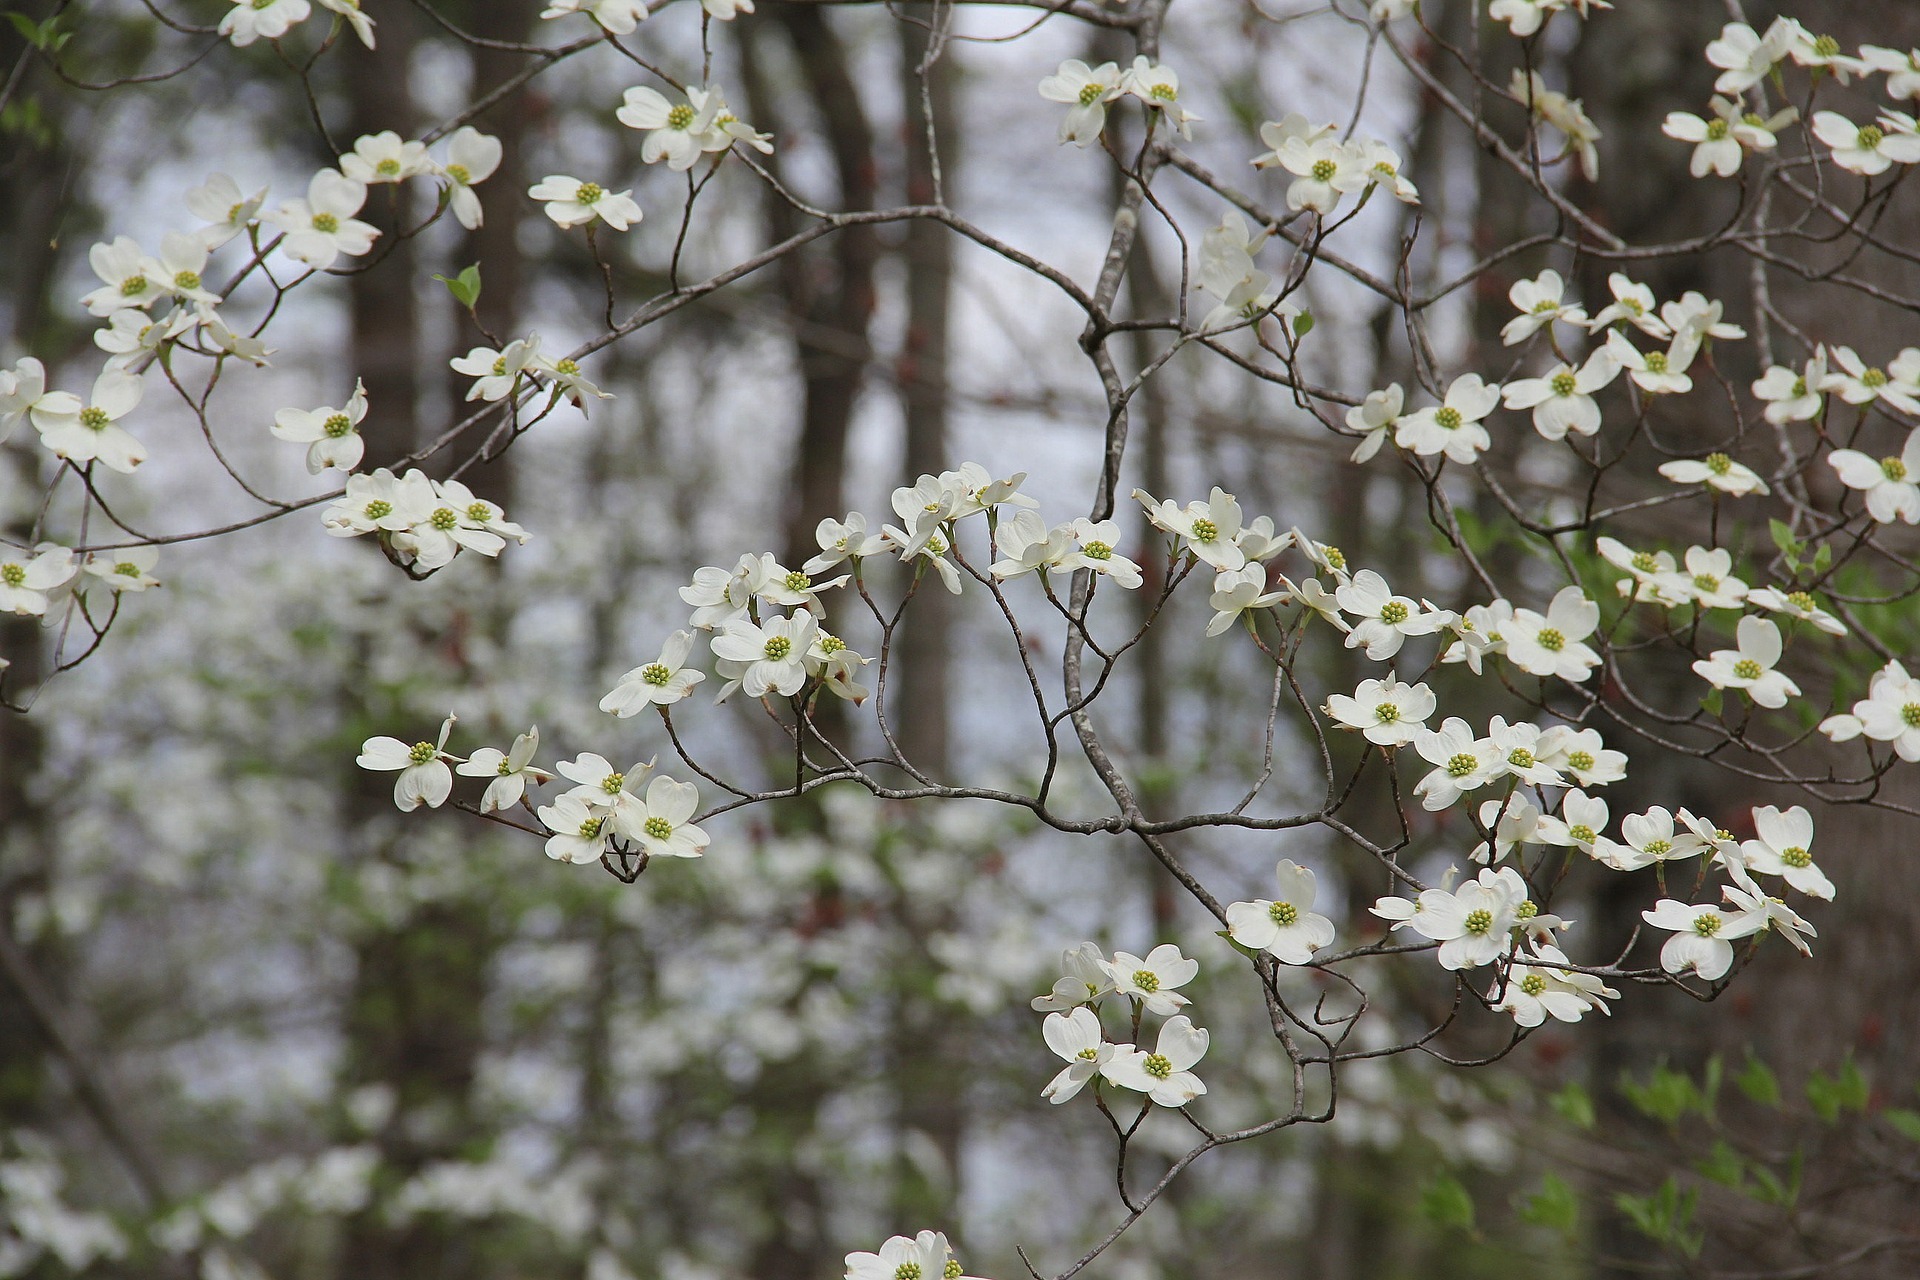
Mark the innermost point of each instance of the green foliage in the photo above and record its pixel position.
(464, 287)
(1844, 1090)
(1757, 1081)
(1665, 1216)
(1554, 1206)
(1446, 1202)
(1667, 1095)
(1303, 324)
(45, 36)
(1574, 1104)
(1904, 1122)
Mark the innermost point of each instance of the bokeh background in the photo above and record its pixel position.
(254, 1022)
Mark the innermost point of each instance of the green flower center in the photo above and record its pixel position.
(1707, 923)
(338, 425)
(479, 512)
(1158, 1066)
(1582, 833)
(659, 828)
(831, 645)
(1801, 601)
(13, 575)
(1892, 468)
(444, 519)
(1706, 582)
(1462, 764)
(589, 192)
(1478, 921)
(1520, 758)
(94, 419)
(325, 223)
(1447, 416)
(133, 285)
(566, 368)
(1874, 378)
(1551, 639)
(1747, 669)
(1147, 980)
(388, 168)
(1799, 387)
(778, 648)
(499, 366)
(1632, 306)
(1336, 558)
(1657, 362)
(590, 829)
(1323, 170)
(1796, 857)
(1167, 93)
(421, 752)
(1657, 848)
(1580, 760)
(1393, 613)
(1716, 130)
(656, 674)
(1085, 1055)
(379, 509)
(1870, 137)
(612, 783)
(1563, 384)
(796, 581)
(1205, 530)
(1719, 463)
(1091, 93)
(936, 546)
(1910, 715)
(127, 569)
(952, 1270)
(1526, 910)
(680, 117)
(460, 174)
(1387, 713)
(1546, 306)
(1826, 46)
(1283, 914)
(1533, 984)
(263, 4)
(1097, 551)
(186, 279)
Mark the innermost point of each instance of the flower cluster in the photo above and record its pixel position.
(1073, 1029)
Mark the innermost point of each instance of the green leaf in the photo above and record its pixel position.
(1303, 324)
(1714, 701)
(1845, 1090)
(1665, 1216)
(1771, 1189)
(1446, 1202)
(1905, 1123)
(1554, 1206)
(465, 287)
(1783, 538)
(1823, 558)
(1574, 1104)
(1758, 1082)
(1723, 1166)
(1666, 1096)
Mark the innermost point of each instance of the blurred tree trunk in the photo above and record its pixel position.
(413, 1018)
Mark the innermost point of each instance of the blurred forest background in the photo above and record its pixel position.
(254, 1022)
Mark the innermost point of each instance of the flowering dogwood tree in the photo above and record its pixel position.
(1658, 529)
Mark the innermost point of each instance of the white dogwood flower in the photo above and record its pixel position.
(1075, 1036)
(28, 581)
(1452, 427)
(1702, 936)
(84, 431)
(509, 771)
(573, 203)
(424, 775)
(1562, 399)
(1790, 396)
(1285, 926)
(1717, 471)
(331, 435)
(1086, 91)
(322, 227)
(1163, 1075)
(1152, 980)
(1384, 711)
(1540, 301)
(1750, 666)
